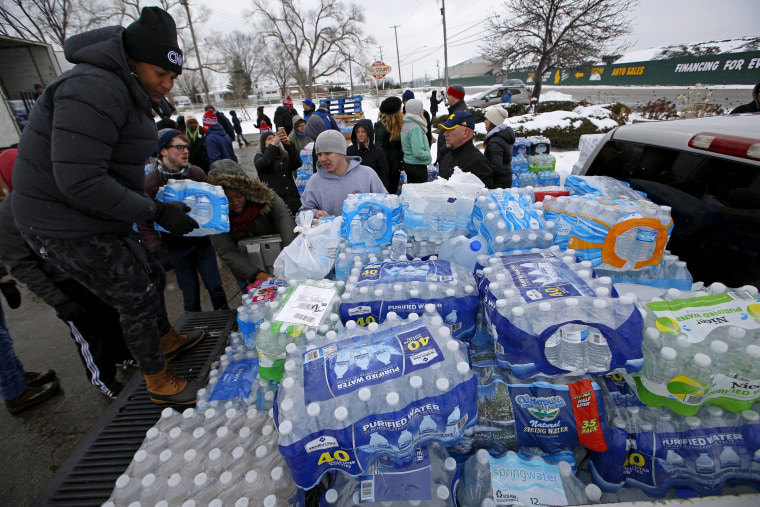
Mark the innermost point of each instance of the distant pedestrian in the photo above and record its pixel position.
(455, 100)
(308, 108)
(298, 136)
(198, 153)
(750, 107)
(363, 145)
(406, 97)
(506, 97)
(388, 137)
(218, 143)
(434, 101)
(263, 123)
(499, 141)
(238, 129)
(414, 143)
(283, 115)
(323, 112)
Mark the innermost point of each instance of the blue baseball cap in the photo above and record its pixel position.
(459, 119)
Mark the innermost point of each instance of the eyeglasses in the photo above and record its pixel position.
(179, 147)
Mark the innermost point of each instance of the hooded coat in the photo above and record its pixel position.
(283, 117)
(499, 154)
(326, 191)
(80, 166)
(314, 127)
(277, 172)
(298, 141)
(219, 145)
(413, 138)
(372, 156)
(274, 218)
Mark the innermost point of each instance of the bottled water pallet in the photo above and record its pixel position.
(88, 476)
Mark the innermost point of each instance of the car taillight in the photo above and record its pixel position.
(743, 147)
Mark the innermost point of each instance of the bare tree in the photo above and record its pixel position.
(555, 33)
(310, 39)
(49, 21)
(277, 68)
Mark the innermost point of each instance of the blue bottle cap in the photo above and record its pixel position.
(476, 245)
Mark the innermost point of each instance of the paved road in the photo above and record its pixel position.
(36, 443)
(728, 98)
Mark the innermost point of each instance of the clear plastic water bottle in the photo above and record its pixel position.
(475, 485)
(573, 346)
(398, 245)
(572, 486)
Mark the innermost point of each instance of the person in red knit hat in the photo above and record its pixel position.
(455, 100)
(209, 119)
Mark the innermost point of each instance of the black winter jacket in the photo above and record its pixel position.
(222, 120)
(374, 156)
(283, 117)
(499, 154)
(277, 173)
(394, 154)
(79, 171)
(198, 154)
(469, 159)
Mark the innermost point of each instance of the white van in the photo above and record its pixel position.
(182, 102)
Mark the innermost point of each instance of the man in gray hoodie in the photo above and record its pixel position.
(337, 176)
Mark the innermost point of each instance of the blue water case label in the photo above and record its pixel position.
(392, 272)
(388, 481)
(348, 365)
(543, 276)
(525, 481)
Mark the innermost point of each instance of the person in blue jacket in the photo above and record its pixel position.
(219, 144)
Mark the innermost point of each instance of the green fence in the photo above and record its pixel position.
(728, 68)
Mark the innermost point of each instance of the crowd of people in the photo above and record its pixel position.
(92, 160)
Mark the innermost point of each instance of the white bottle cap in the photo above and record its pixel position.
(753, 351)
(341, 413)
(619, 423)
(331, 496)
(238, 452)
(450, 464)
(288, 382)
(290, 348)
(602, 292)
(244, 433)
(702, 360)
(267, 430)
(415, 381)
(141, 456)
(269, 396)
(392, 399)
(719, 347)
(413, 316)
(600, 303)
(251, 476)
(452, 345)
(571, 302)
(313, 409)
(482, 456)
(226, 478)
(123, 481)
(633, 410)
(518, 311)
(285, 428)
(463, 368)
(165, 455)
(215, 454)
(565, 470)
(627, 299)
(331, 335)
(189, 503)
(174, 480)
(501, 303)
(152, 433)
(442, 492)
(751, 416)
(444, 331)
(364, 394)
(652, 333)
(200, 479)
(270, 501)
(198, 433)
(668, 354)
(149, 480)
(714, 410)
(593, 492)
(287, 405)
(545, 306)
(414, 293)
(290, 365)
(442, 383)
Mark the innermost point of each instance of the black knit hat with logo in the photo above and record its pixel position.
(153, 39)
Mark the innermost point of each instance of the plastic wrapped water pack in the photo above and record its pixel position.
(601, 185)
(656, 450)
(369, 219)
(702, 347)
(408, 287)
(549, 314)
(508, 220)
(345, 403)
(671, 273)
(296, 309)
(208, 205)
(614, 233)
(439, 209)
(307, 167)
(427, 480)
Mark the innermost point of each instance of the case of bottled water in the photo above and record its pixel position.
(671, 273)
(369, 219)
(439, 209)
(549, 314)
(208, 205)
(409, 287)
(349, 400)
(296, 309)
(307, 167)
(509, 220)
(601, 185)
(428, 479)
(656, 450)
(701, 347)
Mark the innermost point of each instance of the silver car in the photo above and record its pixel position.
(492, 96)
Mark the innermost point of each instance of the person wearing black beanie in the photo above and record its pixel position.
(80, 184)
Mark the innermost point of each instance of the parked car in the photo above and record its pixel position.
(708, 171)
(520, 94)
(182, 102)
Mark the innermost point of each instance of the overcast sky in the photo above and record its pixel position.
(420, 30)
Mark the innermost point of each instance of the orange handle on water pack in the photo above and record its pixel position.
(608, 250)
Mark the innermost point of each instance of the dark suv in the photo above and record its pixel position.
(708, 171)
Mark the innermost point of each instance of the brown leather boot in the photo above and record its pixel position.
(166, 387)
(172, 343)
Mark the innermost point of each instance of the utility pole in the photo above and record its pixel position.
(438, 71)
(445, 45)
(197, 53)
(398, 59)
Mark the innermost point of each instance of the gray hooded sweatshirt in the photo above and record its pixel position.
(325, 191)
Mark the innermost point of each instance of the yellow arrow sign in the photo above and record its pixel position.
(578, 75)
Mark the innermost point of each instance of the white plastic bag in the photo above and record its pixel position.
(312, 254)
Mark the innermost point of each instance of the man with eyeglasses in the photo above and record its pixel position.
(188, 256)
(79, 184)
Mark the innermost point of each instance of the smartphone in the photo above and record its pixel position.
(281, 129)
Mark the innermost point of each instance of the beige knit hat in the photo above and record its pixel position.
(497, 115)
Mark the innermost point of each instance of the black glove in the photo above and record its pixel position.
(172, 217)
(164, 259)
(11, 293)
(70, 310)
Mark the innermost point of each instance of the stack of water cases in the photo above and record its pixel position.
(437, 210)
(702, 347)
(532, 164)
(548, 313)
(383, 391)
(297, 308)
(410, 287)
(428, 479)
(508, 220)
(602, 186)
(307, 167)
(369, 219)
(208, 459)
(655, 449)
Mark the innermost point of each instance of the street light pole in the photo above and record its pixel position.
(197, 53)
(445, 45)
(398, 59)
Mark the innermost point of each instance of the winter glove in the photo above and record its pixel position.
(69, 310)
(172, 217)
(11, 293)
(164, 259)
